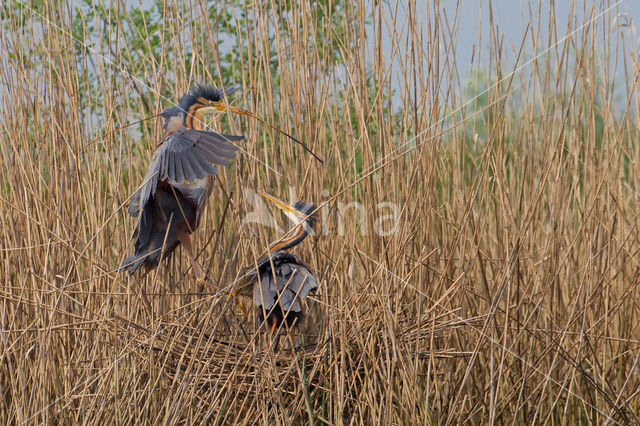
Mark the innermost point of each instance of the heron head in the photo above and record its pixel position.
(300, 212)
(194, 106)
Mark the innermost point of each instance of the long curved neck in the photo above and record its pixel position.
(299, 234)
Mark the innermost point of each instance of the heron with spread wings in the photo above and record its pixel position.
(170, 201)
(279, 281)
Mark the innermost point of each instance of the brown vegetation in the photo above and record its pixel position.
(508, 292)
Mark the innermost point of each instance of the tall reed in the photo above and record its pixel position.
(506, 291)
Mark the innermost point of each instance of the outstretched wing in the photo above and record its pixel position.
(187, 155)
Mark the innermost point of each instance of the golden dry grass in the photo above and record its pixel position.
(507, 294)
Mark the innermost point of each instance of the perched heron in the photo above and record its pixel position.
(279, 281)
(169, 203)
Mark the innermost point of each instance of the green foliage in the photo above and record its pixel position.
(18, 14)
(145, 39)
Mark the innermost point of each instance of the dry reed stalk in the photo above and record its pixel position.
(507, 294)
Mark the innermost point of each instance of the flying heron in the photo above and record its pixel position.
(169, 203)
(279, 281)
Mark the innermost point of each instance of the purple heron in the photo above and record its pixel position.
(169, 203)
(279, 281)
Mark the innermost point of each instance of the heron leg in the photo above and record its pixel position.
(234, 294)
(143, 292)
(292, 336)
(185, 240)
(274, 323)
(145, 299)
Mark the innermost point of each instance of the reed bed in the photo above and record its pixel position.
(478, 245)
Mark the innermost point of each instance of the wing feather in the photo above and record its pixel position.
(187, 154)
(213, 155)
(200, 165)
(178, 159)
(196, 147)
(293, 282)
(171, 168)
(164, 166)
(219, 143)
(264, 293)
(181, 140)
(189, 171)
(206, 166)
(287, 298)
(302, 282)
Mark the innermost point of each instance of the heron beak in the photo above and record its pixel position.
(283, 206)
(204, 111)
(222, 107)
